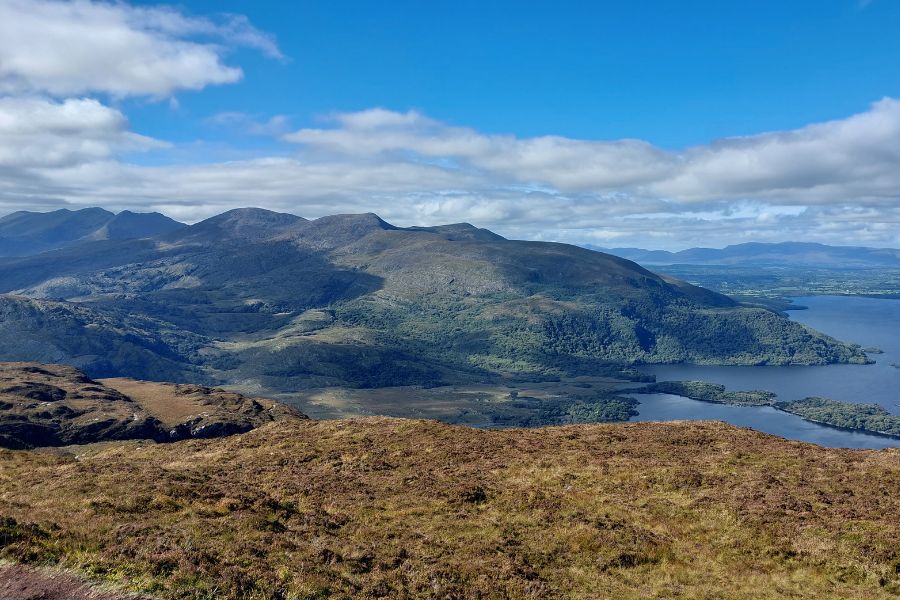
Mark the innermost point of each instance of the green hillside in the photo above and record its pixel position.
(278, 302)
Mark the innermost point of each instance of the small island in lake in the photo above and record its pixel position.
(865, 418)
(709, 392)
(870, 418)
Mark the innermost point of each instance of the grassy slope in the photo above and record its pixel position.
(389, 507)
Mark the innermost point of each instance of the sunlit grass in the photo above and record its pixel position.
(394, 508)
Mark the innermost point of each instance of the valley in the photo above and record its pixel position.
(509, 404)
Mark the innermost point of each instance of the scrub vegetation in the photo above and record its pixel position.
(709, 392)
(382, 507)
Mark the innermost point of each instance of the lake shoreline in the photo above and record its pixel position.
(865, 321)
(716, 394)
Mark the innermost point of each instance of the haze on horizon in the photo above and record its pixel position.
(654, 126)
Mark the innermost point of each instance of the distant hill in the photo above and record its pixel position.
(25, 233)
(274, 302)
(760, 254)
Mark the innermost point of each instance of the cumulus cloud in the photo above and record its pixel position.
(853, 159)
(87, 46)
(564, 163)
(41, 133)
(850, 159)
(836, 182)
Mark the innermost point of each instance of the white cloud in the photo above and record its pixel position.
(86, 46)
(561, 162)
(836, 182)
(853, 159)
(857, 158)
(41, 133)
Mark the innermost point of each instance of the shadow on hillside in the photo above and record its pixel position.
(241, 288)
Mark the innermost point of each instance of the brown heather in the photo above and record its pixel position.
(396, 508)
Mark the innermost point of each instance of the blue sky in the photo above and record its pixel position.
(658, 124)
(672, 73)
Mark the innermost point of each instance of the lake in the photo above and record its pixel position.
(866, 321)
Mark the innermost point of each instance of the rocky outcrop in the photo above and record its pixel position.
(56, 405)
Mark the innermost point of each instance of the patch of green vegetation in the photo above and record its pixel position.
(589, 407)
(709, 392)
(611, 409)
(580, 334)
(870, 418)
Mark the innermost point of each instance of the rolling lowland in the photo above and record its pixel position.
(769, 273)
(274, 303)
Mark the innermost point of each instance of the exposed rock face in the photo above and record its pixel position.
(56, 405)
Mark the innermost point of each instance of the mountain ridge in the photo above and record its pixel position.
(25, 233)
(279, 302)
(767, 254)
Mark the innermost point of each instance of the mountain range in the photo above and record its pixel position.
(291, 507)
(274, 302)
(785, 254)
(24, 233)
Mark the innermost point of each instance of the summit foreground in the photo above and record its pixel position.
(398, 508)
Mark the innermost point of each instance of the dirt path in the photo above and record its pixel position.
(18, 582)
